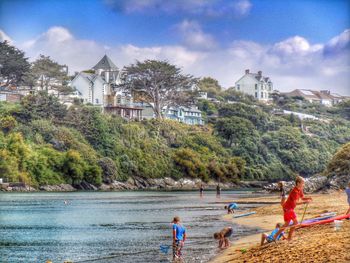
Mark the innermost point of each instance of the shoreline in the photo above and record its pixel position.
(163, 184)
(248, 249)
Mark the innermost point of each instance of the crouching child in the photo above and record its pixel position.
(223, 236)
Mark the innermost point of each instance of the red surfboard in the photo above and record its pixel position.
(326, 221)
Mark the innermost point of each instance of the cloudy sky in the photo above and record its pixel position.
(298, 43)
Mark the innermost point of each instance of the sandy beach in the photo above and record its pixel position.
(322, 243)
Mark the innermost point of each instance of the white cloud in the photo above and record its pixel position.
(242, 7)
(295, 46)
(194, 37)
(4, 37)
(291, 63)
(338, 43)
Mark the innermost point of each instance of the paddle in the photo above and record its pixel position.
(304, 213)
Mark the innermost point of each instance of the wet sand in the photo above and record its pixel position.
(322, 243)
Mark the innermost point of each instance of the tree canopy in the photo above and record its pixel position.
(50, 75)
(13, 65)
(157, 83)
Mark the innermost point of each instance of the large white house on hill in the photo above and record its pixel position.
(97, 87)
(256, 85)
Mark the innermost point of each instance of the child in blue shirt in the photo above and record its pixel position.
(347, 191)
(179, 237)
(270, 238)
(230, 208)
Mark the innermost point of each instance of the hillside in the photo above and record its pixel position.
(42, 142)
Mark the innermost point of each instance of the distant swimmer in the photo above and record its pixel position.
(65, 202)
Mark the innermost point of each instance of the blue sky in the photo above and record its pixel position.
(268, 20)
(286, 39)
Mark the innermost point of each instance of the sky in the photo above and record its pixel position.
(299, 44)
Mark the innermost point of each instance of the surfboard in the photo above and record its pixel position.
(246, 214)
(325, 221)
(311, 220)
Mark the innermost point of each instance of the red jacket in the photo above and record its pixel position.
(293, 198)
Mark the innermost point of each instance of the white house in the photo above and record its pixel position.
(256, 85)
(91, 87)
(96, 88)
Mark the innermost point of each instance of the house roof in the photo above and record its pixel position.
(312, 94)
(106, 64)
(89, 77)
(257, 77)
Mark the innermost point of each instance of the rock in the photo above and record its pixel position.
(57, 188)
(338, 182)
(86, 186)
(312, 184)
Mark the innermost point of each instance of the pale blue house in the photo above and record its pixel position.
(191, 116)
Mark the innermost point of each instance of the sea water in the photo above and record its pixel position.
(109, 226)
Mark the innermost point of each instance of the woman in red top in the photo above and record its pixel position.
(290, 204)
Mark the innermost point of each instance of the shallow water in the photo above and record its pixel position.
(108, 226)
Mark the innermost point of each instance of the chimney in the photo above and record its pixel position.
(260, 73)
(247, 71)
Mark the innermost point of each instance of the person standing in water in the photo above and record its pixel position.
(218, 191)
(179, 237)
(201, 190)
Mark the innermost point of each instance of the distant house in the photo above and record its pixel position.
(95, 86)
(10, 96)
(256, 85)
(98, 87)
(324, 97)
(188, 115)
(202, 95)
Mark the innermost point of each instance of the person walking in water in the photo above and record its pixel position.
(218, 191)
(179, 237)
(201, 190)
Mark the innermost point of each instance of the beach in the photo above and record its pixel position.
(322, 243)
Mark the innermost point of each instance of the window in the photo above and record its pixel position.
(96, 100)
(256, 94)
(262, 95)
(238, 87)
(256, 86)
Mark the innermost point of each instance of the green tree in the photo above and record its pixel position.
(7, 123)
(42, 105)
(157, 83)
(13, 64)
(51, 75)
(209, 85)
(74, 167)
(340, 163)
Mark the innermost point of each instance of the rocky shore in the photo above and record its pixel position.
(317, 183)
(134, 183)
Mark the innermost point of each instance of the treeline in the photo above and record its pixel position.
(42, 142)
(276, 147)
